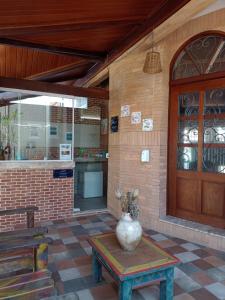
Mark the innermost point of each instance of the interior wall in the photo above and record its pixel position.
(149, 94)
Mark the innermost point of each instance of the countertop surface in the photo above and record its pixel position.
(35, 164)
(90, 159)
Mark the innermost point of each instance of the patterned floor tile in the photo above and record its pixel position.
(64, 264)
(203, 294)
(202, 264)
(177, 289)
(201, 274)
(100, 292)
(216, 274)
(186, 257)
(222, 268)
(85, 270)
(187, 284)
(166, 244)
(217, 289)
(190, 246)
(178, 273)
(68, 274)
(184, 296)
(176, 250)
(189, 268)
(85, 295)
(70, 240)
(69, 296)
(201, 253)
(159, 237)
(202, 278)
(215, 261)
(74, 285)
(150, 293)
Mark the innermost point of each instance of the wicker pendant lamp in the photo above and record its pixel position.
(152, 63)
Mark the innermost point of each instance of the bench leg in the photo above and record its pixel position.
(125, 290)
(96, 267)
(166, 286)
(41, 257)
(30, 219)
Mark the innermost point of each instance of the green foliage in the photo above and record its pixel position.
(7, 127)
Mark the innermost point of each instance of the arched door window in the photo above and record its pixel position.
(202, 56)
(197, 131)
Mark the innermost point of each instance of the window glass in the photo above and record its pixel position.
(202, 56)
(187, 158)
(213, 159)
(188, 104)
(188, 132)
(214, 102)
(37, 127)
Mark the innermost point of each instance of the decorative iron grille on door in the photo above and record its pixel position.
(196, 185)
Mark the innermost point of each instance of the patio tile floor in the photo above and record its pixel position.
(200, 276)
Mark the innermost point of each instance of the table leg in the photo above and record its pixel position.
(96, 267)
(166, 286)
(125, 290)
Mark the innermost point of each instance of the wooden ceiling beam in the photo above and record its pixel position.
(57, 28)
(62, 73)
(168, 9)
(45, 88)
(53, 49)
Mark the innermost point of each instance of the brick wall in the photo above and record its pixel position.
(150, 95)
(23, 187)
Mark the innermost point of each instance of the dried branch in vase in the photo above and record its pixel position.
(128, 202)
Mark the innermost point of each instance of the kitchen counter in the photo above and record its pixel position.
(90, 159)
(35, 164)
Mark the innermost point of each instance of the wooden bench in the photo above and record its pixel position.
(27, 252)
(24, 251)
(29, 210)
(16, 251)
(35, 285)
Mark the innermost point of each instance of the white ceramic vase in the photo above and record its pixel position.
(128, 232)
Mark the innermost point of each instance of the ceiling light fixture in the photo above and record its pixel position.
(152, 63)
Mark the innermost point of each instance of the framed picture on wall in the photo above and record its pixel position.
(53, 130)
(69, 136)
(65, 151)
(35, 132)
(114, 124)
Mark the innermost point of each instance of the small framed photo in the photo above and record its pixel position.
(136, 117)
(125, 110)
(147, 125)
(65, 151)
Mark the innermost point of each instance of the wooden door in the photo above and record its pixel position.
(196, 160)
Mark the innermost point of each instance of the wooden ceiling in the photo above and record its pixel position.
(66, 40)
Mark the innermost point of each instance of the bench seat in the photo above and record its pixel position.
(23, 254)
(34, 286)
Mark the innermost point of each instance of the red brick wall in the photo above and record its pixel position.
(22, 187)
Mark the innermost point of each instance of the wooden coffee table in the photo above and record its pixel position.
(147, 264)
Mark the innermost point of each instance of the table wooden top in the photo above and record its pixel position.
(147, 256)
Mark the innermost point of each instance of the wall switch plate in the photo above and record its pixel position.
(145, 155)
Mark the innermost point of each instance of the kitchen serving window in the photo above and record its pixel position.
(34, 127)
